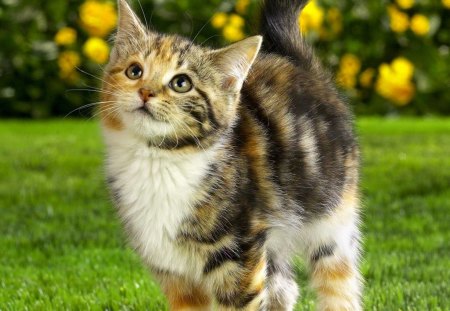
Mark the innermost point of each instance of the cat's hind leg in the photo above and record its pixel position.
(333, 255)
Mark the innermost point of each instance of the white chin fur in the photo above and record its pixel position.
(145, 126)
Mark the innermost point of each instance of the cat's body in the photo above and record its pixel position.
(218, 200)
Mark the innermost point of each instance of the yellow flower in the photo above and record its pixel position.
(399, 93)
(233, 33)
(366, 77)
(311, 17)
(399, 21)
(420, 25)
(67, 62)
(403, 68)
(219, 20)
(347, 81)
(405, 4)
(334, 17)
(394, 81)
(98, 18)
(350, 64)
(96, 49)
(446, 3)
(236, 20)
(65, 36)
(241, 6)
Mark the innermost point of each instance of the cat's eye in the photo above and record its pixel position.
(181, 84)
(134, 72)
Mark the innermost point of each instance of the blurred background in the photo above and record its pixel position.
(61, 244)
(390, 57)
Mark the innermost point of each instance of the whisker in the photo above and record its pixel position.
(87, 106)
(91, 90)
(191, 133)
(109, 111)
(201, 29)
(95, 77)
(192, 22)
(164, 137)
(204, 41)
(198, 33)
(175, 132)
(143, 14)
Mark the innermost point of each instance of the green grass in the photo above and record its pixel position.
(61, 246)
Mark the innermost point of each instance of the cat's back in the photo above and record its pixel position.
(311, 146)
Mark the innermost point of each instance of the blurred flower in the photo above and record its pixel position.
(399, 21)
(311, 17)
(405, 4)
(65, 36)
(334, 17)
(366, 77)
(394, 81)
(236, 20)
(241, 6)
(350, 64)
(420, 25)
(403, 68)
(446, 3)
(232, 26)
(345, 80)
(96, 49)
(67, 62)
(219, 20)
(233, 33)
(98, 18)
(349, 67)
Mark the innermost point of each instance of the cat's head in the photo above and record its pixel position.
(169, 91)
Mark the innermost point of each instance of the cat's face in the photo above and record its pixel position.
(168, 91)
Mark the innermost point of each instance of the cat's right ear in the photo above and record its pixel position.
(129, 29)
(129, 24)
(235, 60)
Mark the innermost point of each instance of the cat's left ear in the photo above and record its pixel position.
(235, 61)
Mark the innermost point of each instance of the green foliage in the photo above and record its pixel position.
(368, 35)
(31, 83)
(62, 248)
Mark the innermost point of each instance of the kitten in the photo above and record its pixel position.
(226, 163)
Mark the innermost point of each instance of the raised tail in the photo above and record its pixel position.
(280, 29)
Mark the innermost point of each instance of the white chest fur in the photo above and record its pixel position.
(156, 193)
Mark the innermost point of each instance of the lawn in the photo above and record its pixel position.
(61, 246)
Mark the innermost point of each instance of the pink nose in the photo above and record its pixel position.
(145, 94)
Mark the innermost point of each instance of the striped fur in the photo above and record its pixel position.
(221, 186)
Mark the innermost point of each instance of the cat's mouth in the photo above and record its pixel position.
(145, 111)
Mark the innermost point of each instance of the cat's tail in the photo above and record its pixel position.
(280, 29)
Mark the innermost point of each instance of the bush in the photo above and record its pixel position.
(389, 57)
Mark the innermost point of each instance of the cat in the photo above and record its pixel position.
(225, 164)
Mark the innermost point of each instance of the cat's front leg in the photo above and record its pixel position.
(239, 284)
(183, 294)
(281, 286)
